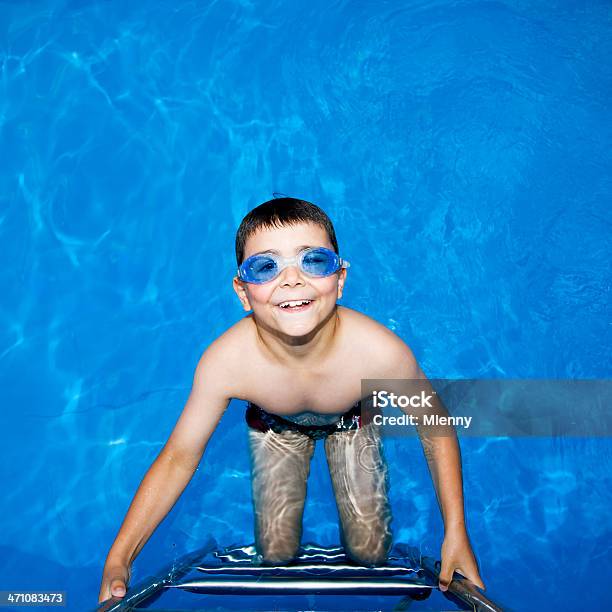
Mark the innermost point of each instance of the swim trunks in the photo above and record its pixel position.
(257, 418)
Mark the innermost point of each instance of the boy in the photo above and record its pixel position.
(298, 360)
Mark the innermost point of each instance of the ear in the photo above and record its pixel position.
(242, 294)
(341, 280)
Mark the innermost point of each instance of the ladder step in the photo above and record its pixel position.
(291, 586)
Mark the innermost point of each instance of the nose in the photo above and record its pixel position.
(291, 276)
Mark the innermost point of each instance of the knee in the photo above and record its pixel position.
(277, 554)
(367, 558)
(279, 548)
(368, 546)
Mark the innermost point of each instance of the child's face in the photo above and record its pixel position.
(291, 283)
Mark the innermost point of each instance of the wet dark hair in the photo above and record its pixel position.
(278, 213)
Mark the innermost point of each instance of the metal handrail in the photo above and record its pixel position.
(460, 589)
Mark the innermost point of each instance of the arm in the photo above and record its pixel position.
(170, 472)
(441, 450)
(444, 461)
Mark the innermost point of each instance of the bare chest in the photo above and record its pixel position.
(285, 391)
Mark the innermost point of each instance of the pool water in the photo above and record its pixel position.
(462, 150)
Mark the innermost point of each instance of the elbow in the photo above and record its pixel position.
(180, 459)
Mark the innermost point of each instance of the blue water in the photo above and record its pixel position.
(462, 150)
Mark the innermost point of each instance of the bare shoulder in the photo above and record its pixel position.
(222, 363)
(388, 356)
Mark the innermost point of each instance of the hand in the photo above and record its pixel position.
(457, 555)
(115, 579)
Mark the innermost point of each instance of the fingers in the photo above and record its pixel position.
(446, 575)
(472, 575)
(117, 587)
(477, 580)
(114, 584)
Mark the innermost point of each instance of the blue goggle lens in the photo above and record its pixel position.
(319, 262)
(262, 267)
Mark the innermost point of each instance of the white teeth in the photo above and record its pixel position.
(294, 303)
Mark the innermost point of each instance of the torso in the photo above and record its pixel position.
(317, 394)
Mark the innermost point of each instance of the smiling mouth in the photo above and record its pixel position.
(295, 305)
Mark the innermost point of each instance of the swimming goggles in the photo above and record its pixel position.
(316, 262)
